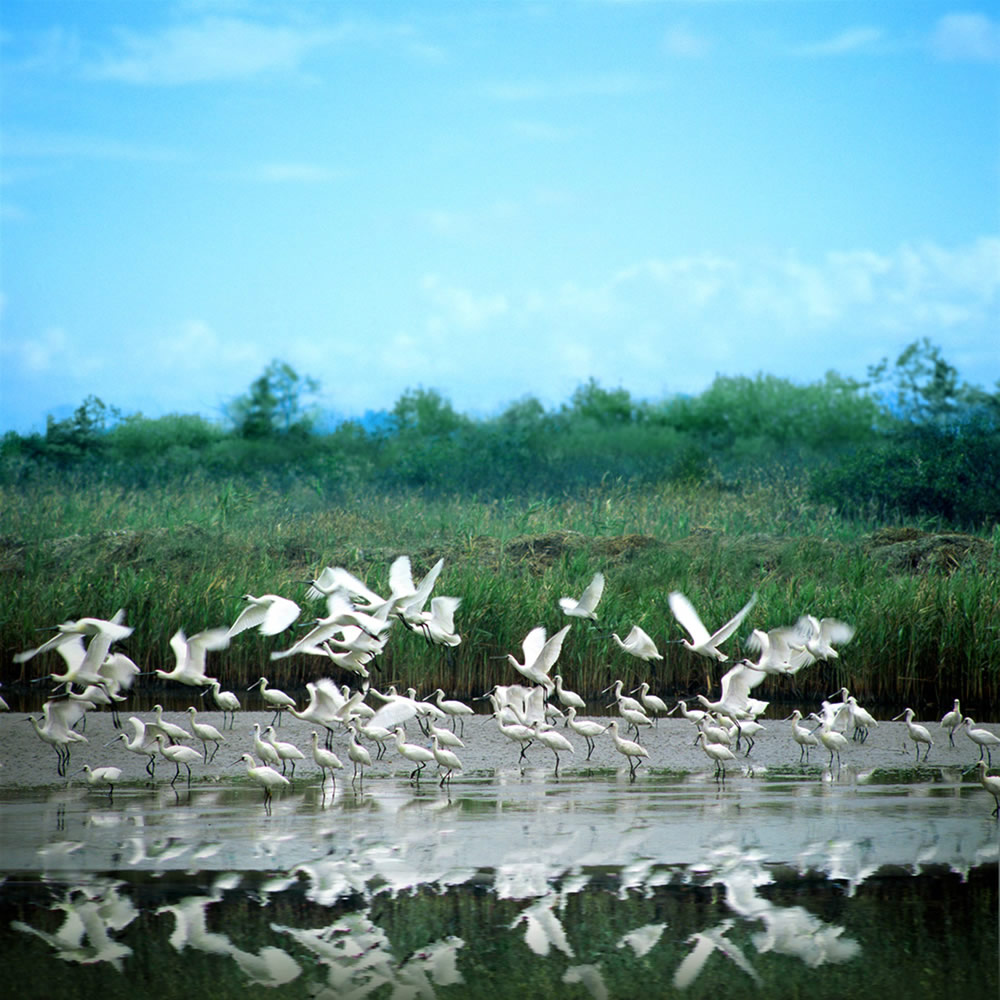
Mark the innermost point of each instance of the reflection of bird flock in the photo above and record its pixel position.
(355, 630)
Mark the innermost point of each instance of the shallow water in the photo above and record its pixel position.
(519, 883)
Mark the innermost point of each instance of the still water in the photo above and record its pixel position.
(521, 885)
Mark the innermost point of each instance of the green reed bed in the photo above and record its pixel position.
(181, 556)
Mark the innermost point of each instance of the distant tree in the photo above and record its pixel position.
(922, 388)
(603, 406)
(425, 412)
(275, 404)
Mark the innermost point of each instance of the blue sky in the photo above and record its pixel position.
(488, 199)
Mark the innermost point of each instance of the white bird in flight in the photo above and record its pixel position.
(638, 643)
(269, 614)
(702, 642)
(540, 655)
(584, 607)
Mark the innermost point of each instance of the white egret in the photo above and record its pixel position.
(585, 606)
(447, 760)
(226, 701)
(287, 752)
(918, 734)
(414, 753)
(275, 699)
(206, 733)
(265, 776)
(631, 751)
(983, 738)
(269, 614)
(703, 643)
(103, 776)
(952, 720)
(585, 728)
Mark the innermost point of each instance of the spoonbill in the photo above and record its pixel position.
(717, 752)
(540, 655)
(206, 733)
(269, 614)
(569, 699)
(191, 655)
(172, 733)
(990, 782)
(805, 739)
(952, 720)
(264, 749)
(584, 606)
(141, 743)
(414, 753)
(983, 738)
(447, 760)
(454, 709)
(226, 701)
(637, 643)
(103, 776)
(358, 754)
(178, 754)
(650, 702)
(275, 699)
(265, 776)
(701, 642)
(918, 734)
(286, 751)
(631, 751)
(556, 742)
(586, 728)
(830, 738)
(325, 760)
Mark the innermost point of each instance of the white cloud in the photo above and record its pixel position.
(859, 39)
(684, 43)
(973, 37)
(458, 308)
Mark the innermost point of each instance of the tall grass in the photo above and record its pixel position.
(181, 556)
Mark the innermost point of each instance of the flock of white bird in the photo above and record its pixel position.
(355, 630)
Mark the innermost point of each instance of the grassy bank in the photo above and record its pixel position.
(926, 607)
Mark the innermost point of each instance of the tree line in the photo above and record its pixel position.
(910, 440)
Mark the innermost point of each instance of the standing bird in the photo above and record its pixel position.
(455, 710)
(805, 739)
(206, 733)
(276, 699)
(717, 752)
(286, 751)
(178, 755)
(226, 701)
(568, 699)
(983, 738)
(172, 733)
(269, 614)
(650, 702)
(265, 776)
(638, 643)
(918, 734)
(109, 776)
(830, 738)
(357, 753)
(952, 720)
(584, 607)
(585, 728)
(703, 643)
(447, 760)
(556, 742)
(265, 750)
(141, 743)
(632, 752)
(326, 760)
(414, 753)
(990, 782)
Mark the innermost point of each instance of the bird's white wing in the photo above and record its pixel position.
(119, 669)
(685, 613)
(734, 623)
(551, 650)
(279, 615)
(532, 645)
(395, 713)
(833, 631)
(73, 652)
(401, 578)
(443, 611)
(593, 593)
